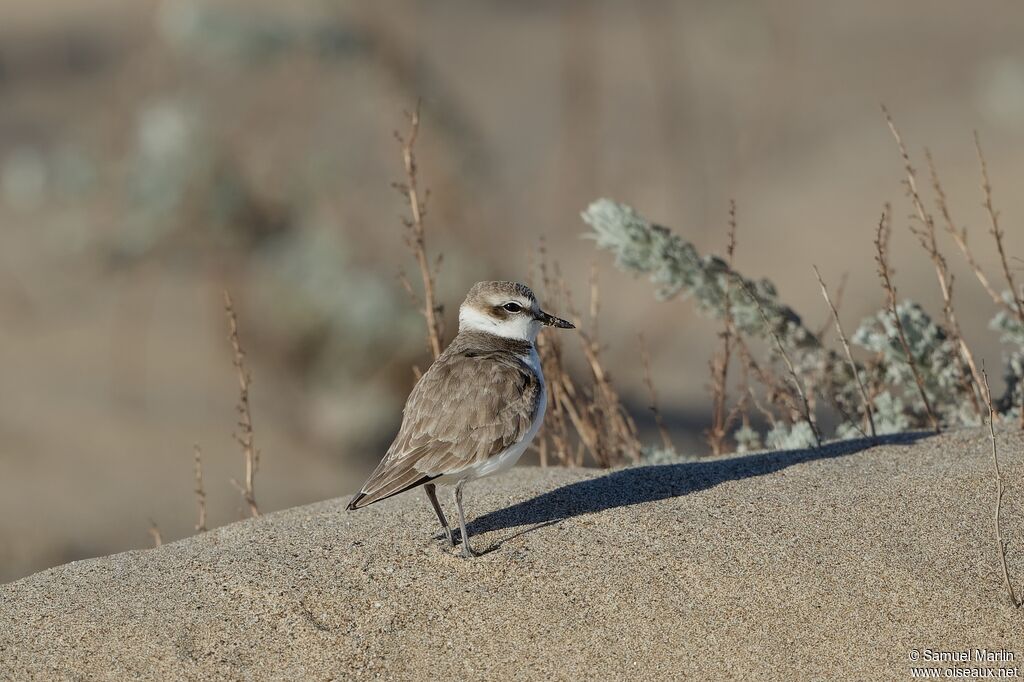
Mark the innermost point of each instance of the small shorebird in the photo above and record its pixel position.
(476, 409)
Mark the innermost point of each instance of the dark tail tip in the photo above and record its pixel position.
(354, 502)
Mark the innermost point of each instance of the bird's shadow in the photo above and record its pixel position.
(639, 484)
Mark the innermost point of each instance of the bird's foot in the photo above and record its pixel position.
(445, 534)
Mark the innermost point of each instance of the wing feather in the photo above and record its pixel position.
(465, 409)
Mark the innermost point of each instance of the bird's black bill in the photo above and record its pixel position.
(552, 321)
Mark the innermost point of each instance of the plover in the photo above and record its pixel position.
(476, 409)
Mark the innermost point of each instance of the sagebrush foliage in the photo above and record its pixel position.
(677, 269)
(1008, 323)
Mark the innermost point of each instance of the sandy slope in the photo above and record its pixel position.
(796, 565)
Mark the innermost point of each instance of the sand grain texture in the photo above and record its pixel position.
(796, 565)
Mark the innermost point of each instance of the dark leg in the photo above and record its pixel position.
(467, 551)
(432, 496)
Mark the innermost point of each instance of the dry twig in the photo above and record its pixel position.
(840, 291)
(603, 426)
(767, 380)
(244, 436)
(1001, 544)
(868, 411)
(645, 359)
(549, 348)
(721, 419)
(882, 258)
(200, 490)
(959, 235)
(415, 236)
(154, 532)
(997, 234)
(612, 431)
(805, 405)
(927, 238)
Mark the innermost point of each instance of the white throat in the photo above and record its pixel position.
(519, 327)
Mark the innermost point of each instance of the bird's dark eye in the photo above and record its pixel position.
(512, 307)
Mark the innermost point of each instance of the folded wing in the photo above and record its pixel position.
(467, 408)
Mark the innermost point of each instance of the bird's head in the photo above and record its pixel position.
(506, 309)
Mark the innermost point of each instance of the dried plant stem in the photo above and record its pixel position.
(997, 232)
(719, 365)
(997, 235)
(200, 490)
(154, 532)
(868, 411)
(825, 326)
(1000, 542)
(959, 235)
(645, 360)
(721, 418)
(882, 258)
(555, 425)
(767, 380)
(549, 348)
(805, 405)
(595, 300)
(416, 237)
(244, 436)
(617, 423)
(542, 451)
(968, 356)
(603, 428)
(842, 411)
(579, 418)
(926, 235)
(776, 391)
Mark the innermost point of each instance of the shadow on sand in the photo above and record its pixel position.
(636, 485)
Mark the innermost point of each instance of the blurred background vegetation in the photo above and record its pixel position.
(155, 153)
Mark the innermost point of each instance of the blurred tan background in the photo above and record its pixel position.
(154, 153)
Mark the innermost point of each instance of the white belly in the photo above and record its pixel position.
(507, 458)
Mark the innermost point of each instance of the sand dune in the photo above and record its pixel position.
(836, 564)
